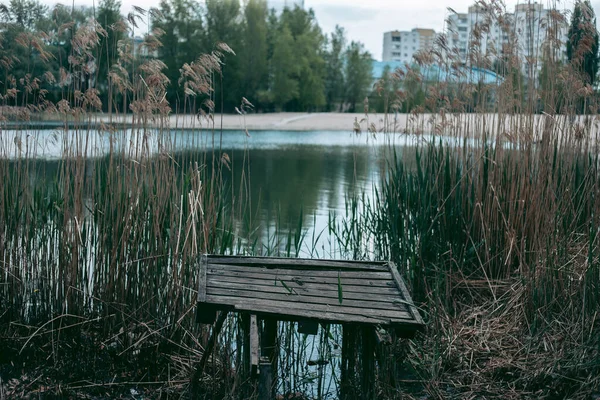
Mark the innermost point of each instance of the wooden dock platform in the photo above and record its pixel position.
(327, 291)
(359, 295)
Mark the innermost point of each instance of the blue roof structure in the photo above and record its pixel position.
(435, 73)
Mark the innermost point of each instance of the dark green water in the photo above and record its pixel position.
(295, 180)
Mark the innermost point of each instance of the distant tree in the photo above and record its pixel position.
(223, 26)
(27, 14)
(285, 86)
(359, 74)
(254, 51)
(413, 89)
(272, 32)
(182, 41)
(60, 26)
(110, 18)
(334, 60)
(21, 47)
(384, 91)
(309, 51)
(582, 42)
(265, 95)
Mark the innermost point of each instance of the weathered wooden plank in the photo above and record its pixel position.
(313, 290)
(254, 347)
(218, 268)
(299, 309)
(309, 286)
(403, 328)
(202, 278)
(279, 296)
(283, 314)
(405, 294)
(276, 276)
(300, 295)
(301, 263)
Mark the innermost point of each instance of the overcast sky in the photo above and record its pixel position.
(366, 20)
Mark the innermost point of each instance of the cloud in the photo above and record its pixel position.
(344, 13)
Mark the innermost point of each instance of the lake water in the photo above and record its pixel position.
(296, 180)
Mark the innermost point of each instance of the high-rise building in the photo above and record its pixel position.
(401, 46)
(458, 33)
(478, 38)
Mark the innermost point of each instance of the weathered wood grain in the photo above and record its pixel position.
(230, 268)
(300, 263)
(372, 293)
(298, 309)
(281, 275)
(384, 304)
(202, 278)
(405, 294)
(299, 285)
(254, 347)
(311, 290)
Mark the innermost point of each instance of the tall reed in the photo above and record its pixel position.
(106, 232)
(494, 224)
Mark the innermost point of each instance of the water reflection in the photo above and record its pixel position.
(291, 180)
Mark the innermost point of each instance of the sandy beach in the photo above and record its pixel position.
(296, 121)
(512, 127)
(271, 121)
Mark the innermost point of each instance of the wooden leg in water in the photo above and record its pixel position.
(244, 351)
(254, 347)
(265, 380)
(368, 363)
(270, 351)
(197, 375)
(386, 365)
(348, 368)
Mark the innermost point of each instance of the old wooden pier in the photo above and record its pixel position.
(361, 296)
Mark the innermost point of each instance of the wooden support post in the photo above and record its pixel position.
(205, 313)
(270, 351)
(368, 363)
(254, 352)
(265, 381)
(203, 271)
(243, 347)
(387, 366)
(348, 368)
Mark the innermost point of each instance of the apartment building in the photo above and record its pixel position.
(478, 33)
(457, 33)
(401, 46)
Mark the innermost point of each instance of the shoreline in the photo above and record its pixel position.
(471, 124)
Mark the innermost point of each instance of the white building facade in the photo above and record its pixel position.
(401, 46)
(479, 38)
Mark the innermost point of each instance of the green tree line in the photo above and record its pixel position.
(279, 61)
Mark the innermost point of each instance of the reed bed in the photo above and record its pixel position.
(98, 243)
(494, 224)
(492, 218)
